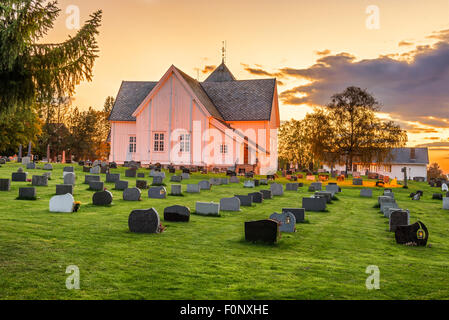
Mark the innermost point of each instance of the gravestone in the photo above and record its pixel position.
(230, 204)
(382, 199)
(215, 181)
(416, 197)
(96, 185)
(193, 188)
(48, 166)
(68, 169)
(317, 185)
(437, 196)
(299, 213)
(104, 169)
(385, 205)
(62, 189)
(276, 189)
(26, 160)
(245, 201)
(89, 178)
(27, 193)
(112, 177)
(414, 234)
(113, 165)
(176, 179)
(31, 165)
(185, 176)
(224, 181)
(234, 179)
(95, 170)
(5, 185)
(266, 194)
(144, 221)
(62, 203)
(325, 194)
(86, 169)
(314, 204)
(388, 209)
(444, 187)
(207, 208)
(249, 184)
(70, 178)
(419, 179)
(286, 221)
(332, 188)
(357, 182)
(157, 181)
(446, 203)
(140, 174)
(257, 197)
(41, 181)
(157, 193)
(177, 214)
(263, 182)
(204, 185)
(19, 176)
(130, 173)
(176, 190)
(367, 193)
(121, 185)
(256, 182)
(131, 194)
(262, 230)
(399, 218)
(102, 198)
(142, 184)
(311, 189)
(292, 186)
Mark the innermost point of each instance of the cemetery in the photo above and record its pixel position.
(218, 237)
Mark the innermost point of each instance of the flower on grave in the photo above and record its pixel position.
(28, 180)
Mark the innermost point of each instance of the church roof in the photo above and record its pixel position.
(225, 98)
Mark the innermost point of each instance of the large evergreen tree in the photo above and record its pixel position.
(31, 71)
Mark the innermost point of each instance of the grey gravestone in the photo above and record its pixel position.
(299, 213)
(249, 184)
(86, 169)
(234, 179)
(157, 193)
(185, 176)
(176, 189)
(446, 203)
(69, 178)
(437, 196)
(263, 182)
(47, 174)
(399, 218)
(224, 181)
(31, 165)
(292, 186)
(382, 199)
(314, 204)
(131, 194)
(130, 173)
(96, 185)
(27, 193)
(389, 209)
(207, 208)
(262, 230)
(26, 160)
(318, 186)
(256, 182)
(68, 169)
(104, 169)
(325, 194)
(95, 170)
(204, 185)
(287, 221)
(157, 181)
(41, 181)
(121, 185)
(5, 185)
(193, 188)
(276, 189)
(64, 189)
(230, 204)
(112, 177)
(311, 189)
(62, 203)
(245, 201)
(367, 193)
(19, 176)
(142, 184)
(140, 174)
(385, 205)
(48, 166)
(177, 214)
(144, 221)
(176, 179)
(102, 198)
(266, 194)
(257, 197)
(332, 188)
(215, 181)
(89, 178)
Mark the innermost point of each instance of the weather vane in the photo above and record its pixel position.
(223, 52)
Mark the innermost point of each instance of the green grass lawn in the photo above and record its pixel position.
(207, 258)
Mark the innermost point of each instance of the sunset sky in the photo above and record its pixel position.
(314, 48)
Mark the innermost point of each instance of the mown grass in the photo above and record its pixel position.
(207, 258)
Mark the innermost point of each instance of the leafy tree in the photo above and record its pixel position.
(348, 129)
(434, 171)
(83, 133)
(31, 71)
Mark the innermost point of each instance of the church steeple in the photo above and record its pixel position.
(221, 74)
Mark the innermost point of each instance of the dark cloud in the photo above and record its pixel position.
(416, 89)
(323, 53)
(259, 71)
(405, 44)
(208, 69)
